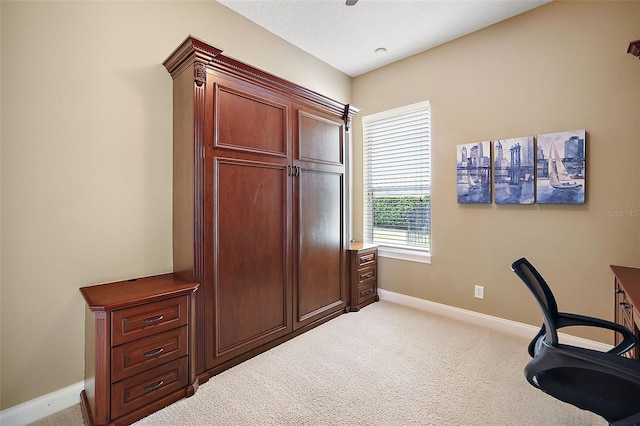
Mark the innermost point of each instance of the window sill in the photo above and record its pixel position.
(402, 254)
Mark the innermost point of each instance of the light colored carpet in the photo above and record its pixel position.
(385, 365)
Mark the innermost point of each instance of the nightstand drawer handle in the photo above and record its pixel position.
(154, 387)
(154, 353)
(365, 276)
(366, 258)
(368, 292)
(156, 319)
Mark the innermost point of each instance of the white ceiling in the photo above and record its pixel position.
(346, 36)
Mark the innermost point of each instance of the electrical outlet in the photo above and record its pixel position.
(479, 292)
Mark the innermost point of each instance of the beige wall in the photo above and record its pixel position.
(560, 67)
(86, 160)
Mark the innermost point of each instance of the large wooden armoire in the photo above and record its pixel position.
(259, 202)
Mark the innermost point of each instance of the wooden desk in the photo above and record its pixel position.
(627, 299)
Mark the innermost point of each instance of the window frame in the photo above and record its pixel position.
(403, 252)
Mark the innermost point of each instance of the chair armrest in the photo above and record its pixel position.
(532, 345)
(629, 340)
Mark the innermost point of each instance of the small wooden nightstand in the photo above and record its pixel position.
(363, 274)
(139, 340)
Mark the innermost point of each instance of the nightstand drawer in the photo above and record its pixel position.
(144, 388)
(144, 320)
(367, 259)
(140, 355)
(366, 292)
(366, 275)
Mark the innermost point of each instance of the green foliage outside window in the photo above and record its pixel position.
(401, 211)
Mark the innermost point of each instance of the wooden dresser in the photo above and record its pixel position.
(138, 345)
(363, 271)
(627, 299)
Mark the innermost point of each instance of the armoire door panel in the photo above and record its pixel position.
(252, 290)
(320, 139)
(250, 122)
(320, 282)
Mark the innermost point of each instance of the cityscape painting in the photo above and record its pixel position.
(560, 167)
(474, 172)
(513, 170)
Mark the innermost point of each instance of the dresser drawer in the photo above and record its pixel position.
(625, 309)
(366, 275)
(144, 320)
(366, 259)
(627, 317)
(144, 388)
(140, 355)
(366, 292)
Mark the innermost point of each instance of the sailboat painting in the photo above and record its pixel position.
(474, 172)
(513, 170)
(560, 167)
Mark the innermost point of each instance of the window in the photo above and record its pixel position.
(397, 181)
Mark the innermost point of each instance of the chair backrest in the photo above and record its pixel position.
(541, 291)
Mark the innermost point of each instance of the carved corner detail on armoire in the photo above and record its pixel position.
(347, 115)
(199, 74)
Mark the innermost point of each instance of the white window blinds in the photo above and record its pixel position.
(397, 178)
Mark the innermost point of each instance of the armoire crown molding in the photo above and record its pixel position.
(202, 54)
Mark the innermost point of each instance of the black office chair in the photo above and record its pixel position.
(604, 383)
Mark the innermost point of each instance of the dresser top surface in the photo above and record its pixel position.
(116, 295)
(359, 245)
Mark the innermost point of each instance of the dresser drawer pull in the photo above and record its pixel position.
(619, 291)
(625, 305)
(365, 276)
(154, 387)
(156, 319)
(367, 292)
(366, 258)
(154, 353)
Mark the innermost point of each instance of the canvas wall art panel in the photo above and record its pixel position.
(513, 170)
(474, 172)
(561, 167)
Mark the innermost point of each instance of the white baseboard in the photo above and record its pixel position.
(496, 323)
(41, 407)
